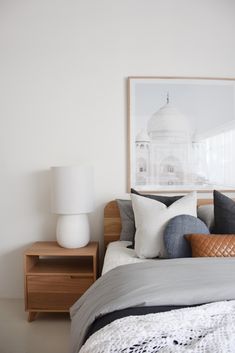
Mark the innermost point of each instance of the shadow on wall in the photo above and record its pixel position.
(41, 196)
(96, 229)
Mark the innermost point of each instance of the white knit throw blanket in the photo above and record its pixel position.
(208, 328)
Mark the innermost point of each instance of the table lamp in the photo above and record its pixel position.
(72, 200)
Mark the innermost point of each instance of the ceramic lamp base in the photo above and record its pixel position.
(73, 231)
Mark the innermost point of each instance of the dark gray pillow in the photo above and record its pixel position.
(224, 211)
(127, 213)
(175, 243)
(127, 220)
(167, 200)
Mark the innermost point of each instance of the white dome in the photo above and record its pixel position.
(168, 119)
(142, 136)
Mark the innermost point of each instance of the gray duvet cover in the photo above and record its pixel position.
(187, 281)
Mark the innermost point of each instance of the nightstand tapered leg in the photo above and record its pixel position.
(32, 316)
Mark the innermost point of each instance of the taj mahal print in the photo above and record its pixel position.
(173, 148)
(165, 150)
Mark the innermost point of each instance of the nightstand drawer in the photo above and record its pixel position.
(52, 301)
(58, 284)
(55, 292)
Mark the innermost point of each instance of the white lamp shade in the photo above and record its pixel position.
(72, 190)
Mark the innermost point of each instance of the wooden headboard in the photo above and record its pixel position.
(112, 221)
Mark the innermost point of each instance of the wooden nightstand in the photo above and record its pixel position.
(56, 277)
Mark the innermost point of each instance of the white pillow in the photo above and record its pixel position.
(151, 217)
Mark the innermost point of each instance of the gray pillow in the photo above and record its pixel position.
(206, 214)
(175, 243)
(127, 220)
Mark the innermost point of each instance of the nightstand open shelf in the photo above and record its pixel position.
(58, 266)
(56, 277)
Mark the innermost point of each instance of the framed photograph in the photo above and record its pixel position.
(181, 134)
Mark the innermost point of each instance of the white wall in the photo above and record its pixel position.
(63, 69)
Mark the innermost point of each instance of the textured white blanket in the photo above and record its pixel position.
(208, 328)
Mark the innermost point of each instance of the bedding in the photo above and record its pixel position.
(127, 220)
(174, 240)
(206, 214)
(188, 281)
(224, 210)
(151, 217)
(118, 254)
(135, 311)
(127, 214)
(205, 329)
(213, 245)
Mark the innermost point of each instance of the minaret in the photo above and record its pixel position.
(167, 98)
(142, 143)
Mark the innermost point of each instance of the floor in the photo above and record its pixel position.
(49, 333)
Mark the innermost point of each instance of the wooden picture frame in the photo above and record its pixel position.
(181, 134)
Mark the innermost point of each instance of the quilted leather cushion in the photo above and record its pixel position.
(213, 245)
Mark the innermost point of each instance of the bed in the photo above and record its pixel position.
(140, 305)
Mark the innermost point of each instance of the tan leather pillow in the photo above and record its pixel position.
(213, 245)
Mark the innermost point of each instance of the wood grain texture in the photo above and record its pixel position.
(32, 316)
(58, 284)
(112, 221)
(60, 266)
(52, 302)
(51, 248)
(60, 292)
(29, 263)
(56, 277)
